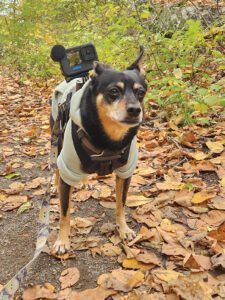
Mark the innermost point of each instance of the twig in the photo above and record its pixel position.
(175, 142)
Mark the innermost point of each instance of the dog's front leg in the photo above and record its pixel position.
(122, 186)
(63, 242)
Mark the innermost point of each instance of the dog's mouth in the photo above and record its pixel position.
(132, 121)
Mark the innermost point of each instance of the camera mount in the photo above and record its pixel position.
(75, 62)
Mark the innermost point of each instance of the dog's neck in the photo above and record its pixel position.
(99, 134)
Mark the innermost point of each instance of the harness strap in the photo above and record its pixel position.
(94, 160)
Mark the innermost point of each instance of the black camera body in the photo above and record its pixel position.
(75, 62)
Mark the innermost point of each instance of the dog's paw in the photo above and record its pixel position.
(126, 233)
(61, 246)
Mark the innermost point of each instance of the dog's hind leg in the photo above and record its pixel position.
(122, 186)
(62, 244)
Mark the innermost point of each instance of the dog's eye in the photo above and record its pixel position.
(140, 94)
(114, 93)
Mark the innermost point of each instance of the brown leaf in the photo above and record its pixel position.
(148, 258)
(166, 275)
(38, 292)
(169, 185)
(146, 172)
(98, 293)
(218, 260)
(183, 198)
(191, 290)
(110, 250)
(83, 222)
(218, 234)
(217, 202)
(36, 182)
(83, 195)
(121, 280)
(215, 147)
(108, 204)
(194, 261)
(81, 243)
(69, 277)
(131, 252)
(137, 200)
(214, 217)
(12, 202)
(107, 228)
(15, 188)
(174, 249)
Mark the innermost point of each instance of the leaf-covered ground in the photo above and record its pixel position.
(176, 205)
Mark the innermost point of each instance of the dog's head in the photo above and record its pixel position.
(119, 95)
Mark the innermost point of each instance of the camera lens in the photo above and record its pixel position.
(87, 53)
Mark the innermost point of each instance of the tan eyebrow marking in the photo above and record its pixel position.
(137, 86)
(120, 84)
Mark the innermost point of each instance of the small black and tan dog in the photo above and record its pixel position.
(103, 139)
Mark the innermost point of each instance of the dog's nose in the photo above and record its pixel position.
(133, 110)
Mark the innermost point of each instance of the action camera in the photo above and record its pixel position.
(75, 62)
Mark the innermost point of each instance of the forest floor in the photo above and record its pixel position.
(176, 205)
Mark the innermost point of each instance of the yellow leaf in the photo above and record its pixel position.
(132, 263)
(215, 147)
(167, 275)
(137, 200)
(199, 155)
(222, 182)
(202, 196)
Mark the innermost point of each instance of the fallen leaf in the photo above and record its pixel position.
(146, 172)
(183, 197)
(69, 277)
(12, 202)
(110, 250)
(121, 280)
(108, 204)
(215, 147)
(83, 195)
(148, 258)
(218, 260)
(15, 188)
(194, 261)
(81, 243)
(131, 252)
(217, 202)
(98, 293)
(38, 292)
(132, 263)
(83, 222)
(13, 175)
(24, 207)
(188, 289)
(36, 182)
(202, 196)
(169, 185)
(166, 275)
(214, 217)
(137, 200)
(222, 182)
(218, 234)
(198, 155)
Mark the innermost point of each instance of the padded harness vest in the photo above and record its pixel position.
(93, 160)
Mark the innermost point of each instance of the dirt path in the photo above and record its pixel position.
(176, 206)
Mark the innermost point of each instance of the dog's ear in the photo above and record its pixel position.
(137, 65)
(99, 68)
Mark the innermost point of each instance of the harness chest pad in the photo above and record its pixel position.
(94, 160)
